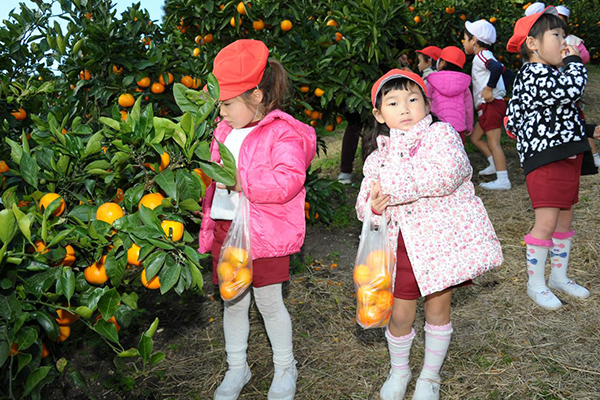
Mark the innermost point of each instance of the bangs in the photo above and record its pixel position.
(545, 23)
(397, 84)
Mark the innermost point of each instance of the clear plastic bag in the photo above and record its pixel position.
(373, 274)
(234, 268)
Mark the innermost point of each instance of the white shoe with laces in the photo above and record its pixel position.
(570, 287)
(545, 298)
(426, 389)
(496, 185)
(394, 387)
(233, 383)
(345, 178)
(283, 386)
(489, 170)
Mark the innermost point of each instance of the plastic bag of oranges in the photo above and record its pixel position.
(373, 274)
(234, 269)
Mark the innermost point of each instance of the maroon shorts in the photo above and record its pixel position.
(405, 285)
(555, 185)
(492, 115)
(266, 271)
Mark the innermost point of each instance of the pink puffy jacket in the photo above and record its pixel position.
(451, 99)
(272, 165)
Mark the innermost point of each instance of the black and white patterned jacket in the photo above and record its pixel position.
(542, 113)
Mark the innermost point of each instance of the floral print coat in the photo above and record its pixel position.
(448, 235)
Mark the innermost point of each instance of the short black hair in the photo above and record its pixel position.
(545, 22)
(451, 67)
(479, 42)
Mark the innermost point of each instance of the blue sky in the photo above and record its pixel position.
(154, 7)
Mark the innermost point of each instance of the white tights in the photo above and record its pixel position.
(236, 325)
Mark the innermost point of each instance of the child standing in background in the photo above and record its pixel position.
(450, 93)
(419, 173)
(489, 102)
(272, 152)
(543, 116)
(427, 59)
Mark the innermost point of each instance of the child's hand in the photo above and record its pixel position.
(597, 132)
(488, 94)
(379, 201)
(238, 185)
(570, 51)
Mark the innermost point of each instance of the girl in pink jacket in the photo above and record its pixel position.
(272, 152)
(450, 93)
(419, 173)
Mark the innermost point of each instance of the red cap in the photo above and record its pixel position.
(431, 51)
(393, 74)
(522, 28)
(240, 67)
(454, 55)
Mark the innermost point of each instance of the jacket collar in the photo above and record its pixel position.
(409, 136)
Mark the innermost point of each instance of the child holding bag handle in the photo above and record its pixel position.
(419, 173)
(272, 151)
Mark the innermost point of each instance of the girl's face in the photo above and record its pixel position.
(401, 109)
(422, 62)
(549, 47)
(239, 113)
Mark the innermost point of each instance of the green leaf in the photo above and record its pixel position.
(169, 275)
(196, 275)
(23, 221)
(23, 359)
(190, 205)
(60, 236)
(114, 269)
(203, 150)
(155, 263)
(152, 329)
(94, 144)
(132, 196)
(145, 347)
(111, 123)
(149, 218)
(78, 378)
(161, 243)
(29, 169)
(26, 337)
(8, 226)
(130, 300)
(108, 330)
(166, 181)
(108, 303)
(16, 152)
(132, 352)
(36, 377)
(67, 281)
(186, 106)
(48, 323)
(84, 312)
(156, 358)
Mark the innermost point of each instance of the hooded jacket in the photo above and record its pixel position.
(451, 99)
(272, 167)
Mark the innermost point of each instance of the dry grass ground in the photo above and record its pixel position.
(504, 347)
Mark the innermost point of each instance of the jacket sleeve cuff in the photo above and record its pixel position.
(572, 58)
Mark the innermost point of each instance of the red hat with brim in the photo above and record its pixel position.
(395, 74)
(522, 28)
(431, 51)
(240, 67)
(454, 55)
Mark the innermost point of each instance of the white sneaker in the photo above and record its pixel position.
(496, 185)
(345, 178)
(426, 390)
(233, 383)
(490, 170)
(571, 288)
(545, 299)
(283, 386)
(597, 161)
(394, 387)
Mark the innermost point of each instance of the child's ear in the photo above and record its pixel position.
(257, 96)
(531, 43)
(378, 116)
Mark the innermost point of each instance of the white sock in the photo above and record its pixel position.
(491, 161)
(502, 175)
(399, 348)
(559, 256)
(537, 253)
(596, 156)
(236, 327)
(278, 323)
(437, 340)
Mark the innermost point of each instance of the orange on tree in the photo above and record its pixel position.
(65, 332)
(258, 25)
(133, 255)
(154, 283)
(198, 40)
(117, 70)
(417, 19)
(161, 78)
(286, 25)
(450, 10)
(241, 8)
(189, 82)
(126, 100)
(338, 120)
(314, 114)
(207, 180)
(207, 38)
(85, 75)
(463, 17)
(96, 274)
(332, 22)
(165, 160)
(40, 247)
(151, 200)
(69, 257)
(3, 167)
(236, 256)
(329, 128)
(109, 212)
(49, 198)
(233, 22)
(146, 41)
(196, 52)
(304, 89)
(493, 20)
(173, 229)
(144, 82)
(157, 88)
(65, 317)
(319, 92)
(338, 36)
(124, 115)
(45, 351)
(19, 114)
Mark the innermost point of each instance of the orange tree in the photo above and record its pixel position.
(77, 159)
